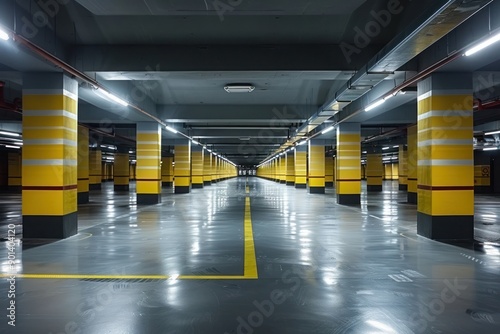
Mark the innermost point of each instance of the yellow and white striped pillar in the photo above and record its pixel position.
(14, 171)
(412, 165)
(403, 168)
(182, 170)
(197, 165)
(348, 157)
(290, 168)
(329, 172)
(121, 173)
(445, 157)
(148, 163)
(301, 167)
(83, 165)
(316, 166)
(207, 168)
(374, 172)
(95, 169)
(49, 170)
(167, 172)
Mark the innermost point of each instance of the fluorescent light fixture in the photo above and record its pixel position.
(209, 150)
(385, 148)
(389, 96)
(374, 105)
(484, 149)
(171, 129)
(486, 134)
(7, 133)
(131, 152)
(112, 97)
(195, 142)
(485, 44)
(10, 146)
(4, 35)
(327, 130)
(239, 88)
(302, 142)
(395, 146)
(364, 152)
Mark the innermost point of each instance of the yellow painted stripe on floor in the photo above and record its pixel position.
(250, 261)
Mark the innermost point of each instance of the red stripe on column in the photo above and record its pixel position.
(70, 187)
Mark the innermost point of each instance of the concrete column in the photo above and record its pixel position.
(445, 157)
(301, 167)
(95, 169)
(49, 170)
(412, 165)
(374, 172)
(403, 168)
(167, 172)
(290, 168)
(329, 172)
(348, 172)
(316, 170)
(197, 166)
(148, 168)
(182, 166)
(207, 168)
(121, 176)
(83, 165)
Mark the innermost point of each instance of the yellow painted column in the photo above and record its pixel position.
(167, 172)
(412, 165)
(348, 171)
(334, 171)
(329, 172)
(282, 169)
(121, 176)
(104, 170)
(301, 167)
(445, 157)
(182, 167)
(83, 165)
(374, 172)
(214, 167)
(148, 165)
(95, 170)
(207, 168)
(316, 165)
(197, 165)
(132, 171)
(290, 168)
(50, 156)
(403, 168)
(14, 171)
(482, 179)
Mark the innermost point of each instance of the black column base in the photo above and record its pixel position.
(329, 184)
(148, 199)
(412, 198)
(482, 189)
(445, 228)
(95, 186)
(83, 198)
(290, 183)
(300, 186)
(15, 189)
(182, 190)
(403, 187)
(50, 227)
(349, 199)
(316, 190)
(167, 184)
(121, 187)
(197, 186)
(374, 188)
(283, 181)
(207, 183)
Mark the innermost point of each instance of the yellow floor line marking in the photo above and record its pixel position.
(250, 261)
(249, 264)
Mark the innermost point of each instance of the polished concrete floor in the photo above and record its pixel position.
(187, 266)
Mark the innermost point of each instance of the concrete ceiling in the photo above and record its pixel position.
(173, 59)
